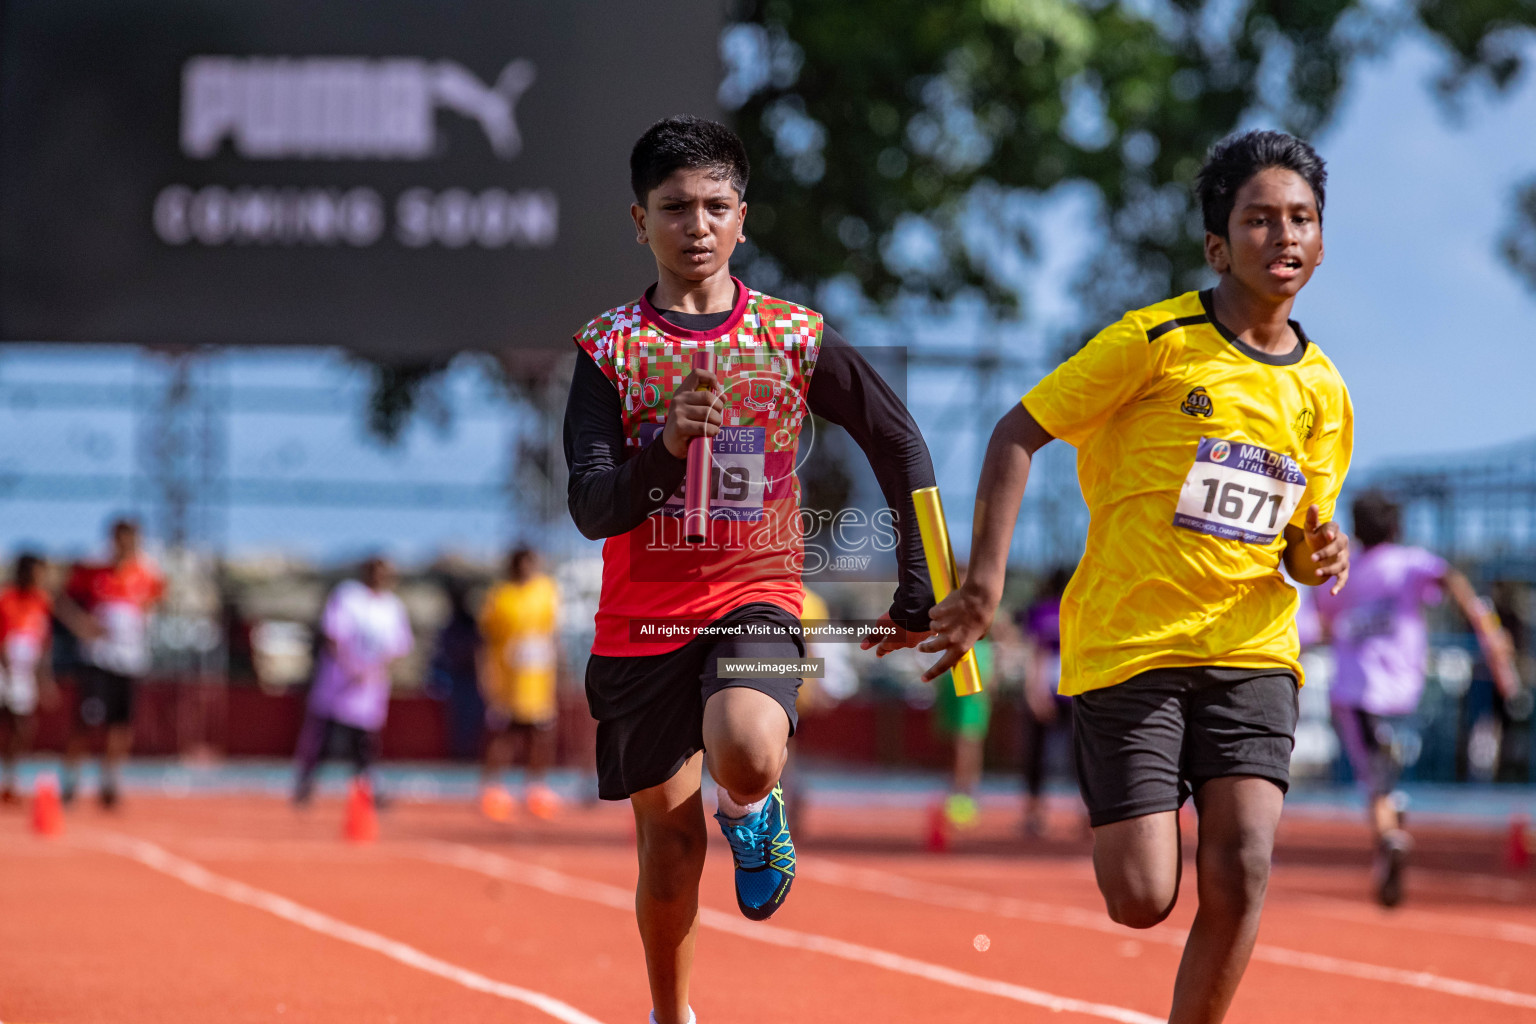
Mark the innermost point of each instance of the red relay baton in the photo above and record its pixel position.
(696, 484)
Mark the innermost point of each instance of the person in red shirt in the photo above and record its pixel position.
(107, 608)
(25, 657)
(680, 628)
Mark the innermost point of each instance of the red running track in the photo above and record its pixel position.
(241, 909)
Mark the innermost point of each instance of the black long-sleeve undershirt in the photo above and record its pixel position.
(610, 494)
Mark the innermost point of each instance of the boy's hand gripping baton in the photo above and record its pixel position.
(941, 570)
(696, 484)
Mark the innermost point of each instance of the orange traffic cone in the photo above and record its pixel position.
(362, 822)
(1517, 848)
(938, 830)
(47, 811)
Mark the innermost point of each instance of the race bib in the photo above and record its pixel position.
(1239, 491)
(1378, 618)
(124, 644)
(370, 643)
(21, 653)
(737, 474)
(375, 636)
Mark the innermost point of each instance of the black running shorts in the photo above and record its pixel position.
(650, 708)
(1371, 744)
(106, 697)
(1144, 745)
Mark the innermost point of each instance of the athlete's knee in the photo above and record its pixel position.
(1138, 894)
(747, 761)
(1137, 864)
(1140, 909)
(671, 859)
(749, 772)
(1235, 876)
(745, 732)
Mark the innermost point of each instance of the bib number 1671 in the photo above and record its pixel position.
(1226, 499)
(1239, 491)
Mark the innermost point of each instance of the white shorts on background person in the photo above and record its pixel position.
(18, 682)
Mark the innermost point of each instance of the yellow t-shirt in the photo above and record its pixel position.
(812, 607)
(518, 625)
(1194, 451)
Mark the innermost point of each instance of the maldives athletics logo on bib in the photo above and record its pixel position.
(1239, 491)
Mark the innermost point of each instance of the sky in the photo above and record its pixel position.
(1435, 338)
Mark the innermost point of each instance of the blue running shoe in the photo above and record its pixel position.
(764, 855)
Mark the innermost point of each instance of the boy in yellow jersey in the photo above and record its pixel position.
(518, 670)
(1213, 437)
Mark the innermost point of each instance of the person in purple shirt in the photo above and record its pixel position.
(365, 629)
(1380, 644)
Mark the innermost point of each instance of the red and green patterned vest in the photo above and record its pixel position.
(764, 354)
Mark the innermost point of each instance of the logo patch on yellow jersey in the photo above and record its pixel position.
(1197, 403)
(1302, 425)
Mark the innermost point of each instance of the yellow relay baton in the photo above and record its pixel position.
(941, 570)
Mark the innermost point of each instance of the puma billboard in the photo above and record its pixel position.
(404, 178)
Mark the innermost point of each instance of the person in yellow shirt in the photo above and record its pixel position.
(839, 679)
(817, 696)
(1212, 439)
(519, 668)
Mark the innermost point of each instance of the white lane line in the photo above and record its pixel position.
(561, 884)
(1418, 920)
(954, 898)
(199, 877)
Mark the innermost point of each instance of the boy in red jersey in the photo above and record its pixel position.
(661, 705)
(25, 656)
(107, 607)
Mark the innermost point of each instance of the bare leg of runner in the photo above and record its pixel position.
(746, 733)
(11, 747)
(967, 770)
(119, 742)
(74, 752)
(1137, 863)
(498, 757)
(541, 753)
(670, 835)
(1238, 819)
